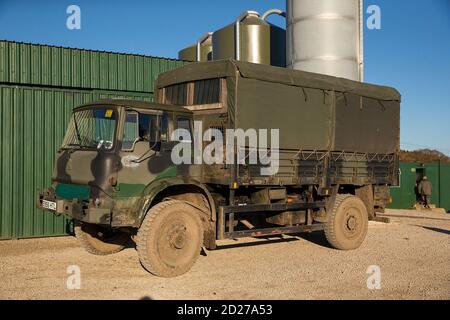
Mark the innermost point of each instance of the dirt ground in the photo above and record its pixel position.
(413, 253)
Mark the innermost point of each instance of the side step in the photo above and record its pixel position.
(235, 210)
(272, 231)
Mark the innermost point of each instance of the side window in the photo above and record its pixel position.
(184, 123)
(153, 129)
(148, 127)
(144, 127)
(130, 131)
(164, 128)
(177, 94)
(140, 127)
(206, 91)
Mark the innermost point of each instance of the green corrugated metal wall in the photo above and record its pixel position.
(445, 186)
(404, 197)
(30, 64)
(39, 86)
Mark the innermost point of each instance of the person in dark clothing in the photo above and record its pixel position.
(425, 190)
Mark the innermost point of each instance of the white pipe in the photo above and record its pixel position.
(273, 11)
(199, 45)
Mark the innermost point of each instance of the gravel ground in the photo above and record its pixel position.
(413, 253)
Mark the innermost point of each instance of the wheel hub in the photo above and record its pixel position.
(351, 223)
(177, 237)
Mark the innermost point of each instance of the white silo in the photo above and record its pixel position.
(326, 36)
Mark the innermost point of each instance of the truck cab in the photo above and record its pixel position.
(114, 162)
(111, 152)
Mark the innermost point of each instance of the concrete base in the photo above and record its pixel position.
(433, 208)
(382, 219)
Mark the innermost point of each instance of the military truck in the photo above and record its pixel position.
(116, 178)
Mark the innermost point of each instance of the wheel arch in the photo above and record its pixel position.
(160, 189)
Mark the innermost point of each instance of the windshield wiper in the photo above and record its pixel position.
(76, 130)
(81, 138)
(75, 145)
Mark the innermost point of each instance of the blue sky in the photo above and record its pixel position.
(411, 51)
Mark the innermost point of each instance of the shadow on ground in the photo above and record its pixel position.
(444, 231)
(412, 217)
(317, 238)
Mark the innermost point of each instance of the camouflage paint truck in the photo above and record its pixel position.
(338, 155)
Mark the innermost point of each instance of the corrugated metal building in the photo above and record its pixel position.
(39, 86)
(405, 196)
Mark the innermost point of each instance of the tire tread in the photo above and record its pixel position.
(330, 227)
(85, 242)
(147, 228)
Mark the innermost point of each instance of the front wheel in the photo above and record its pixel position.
(170, 239)
(100, 241)
(347, 223)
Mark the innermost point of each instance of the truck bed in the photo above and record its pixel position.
(331, 130)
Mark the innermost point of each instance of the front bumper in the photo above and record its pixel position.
(75, 209)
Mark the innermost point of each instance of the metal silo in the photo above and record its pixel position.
(200, 52)
(188, 54)
(326, 36)
(251, 39)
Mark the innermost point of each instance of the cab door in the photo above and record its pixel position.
(142, 157)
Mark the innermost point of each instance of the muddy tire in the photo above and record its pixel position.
(346, 226)
(100, 241)
(170, 239)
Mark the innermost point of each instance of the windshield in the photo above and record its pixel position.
(92, 128)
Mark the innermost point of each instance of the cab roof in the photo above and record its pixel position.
(134, 104)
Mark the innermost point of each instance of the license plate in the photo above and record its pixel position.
(50, 205)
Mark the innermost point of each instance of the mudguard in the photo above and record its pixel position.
(157, 186)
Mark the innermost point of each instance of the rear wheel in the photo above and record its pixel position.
(101, 241)
(170, 238)
(347, 223)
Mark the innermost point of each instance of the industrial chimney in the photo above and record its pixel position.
(326, 36)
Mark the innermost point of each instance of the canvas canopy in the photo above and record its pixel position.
(312, 111)
(232, 68)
